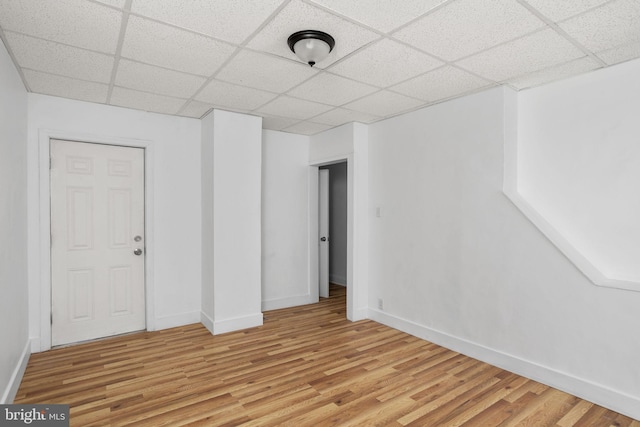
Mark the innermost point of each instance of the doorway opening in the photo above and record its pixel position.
(333, 227)
(351, 288)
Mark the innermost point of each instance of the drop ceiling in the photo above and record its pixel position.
(392, 56)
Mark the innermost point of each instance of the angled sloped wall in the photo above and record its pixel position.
(575, 170)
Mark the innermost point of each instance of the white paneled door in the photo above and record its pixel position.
(97, 241)
(323, 228)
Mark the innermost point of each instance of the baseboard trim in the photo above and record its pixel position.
(360, 314)
(16, 377)
(338, 280)
(176, 320)
(237, 323)
(597, 393)
(278, 303)
(35, 344)
(206, 321)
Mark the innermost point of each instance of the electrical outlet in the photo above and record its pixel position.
(380, 304)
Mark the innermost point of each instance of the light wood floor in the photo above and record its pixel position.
(307, 366)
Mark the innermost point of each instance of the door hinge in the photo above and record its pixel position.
(50, 163)
(51, 318)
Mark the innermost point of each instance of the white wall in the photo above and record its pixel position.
(578, 157)
(285, 220)
(174, 276)
(14, 329)
(234, 152)
(206, 167)
(338, 223)
(331, 145)
(358, 221)
(456, 263)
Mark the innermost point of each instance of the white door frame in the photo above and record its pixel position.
(43, 311)
(353, 283)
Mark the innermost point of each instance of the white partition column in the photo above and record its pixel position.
(231, 221)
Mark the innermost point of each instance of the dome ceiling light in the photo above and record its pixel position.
(311, 46)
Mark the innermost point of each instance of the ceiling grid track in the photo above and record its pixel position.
(116, 60)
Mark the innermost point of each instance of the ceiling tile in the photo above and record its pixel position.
(55, 58)
(265, 72)
(148, 78)
(377, 64)
(331, 89)
(528, 54)
(444, 82)
(381, 14)
(230, 20)
(75, 22)
(115, 3)
(340, 116)
(614, 24)
(307, 128)
(195, 109)
(277, 123)
(559, 10)
(556, 72)
(620, 53)
(66, 87)
(169, 47)
(464, 27)
(384, 103)
(297, 16)
(233, 96)
(285, 106)
(145, 101)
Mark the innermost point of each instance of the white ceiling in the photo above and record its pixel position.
(184, 57)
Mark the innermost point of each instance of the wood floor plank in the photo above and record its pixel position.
(480, 402)
(306, 366)
(577, 412)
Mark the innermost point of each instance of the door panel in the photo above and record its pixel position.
(81, 285)
(119, 218)
(97, 210)
(79, 218)
(120, 288)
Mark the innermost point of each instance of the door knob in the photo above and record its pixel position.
(137, 251)
(323, 239)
